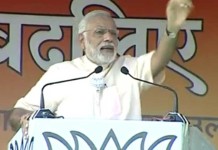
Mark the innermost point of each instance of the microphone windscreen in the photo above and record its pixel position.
(124, 70)
(98, 69)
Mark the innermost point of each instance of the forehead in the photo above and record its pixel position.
(101, 21)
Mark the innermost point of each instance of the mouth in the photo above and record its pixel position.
(107, 48)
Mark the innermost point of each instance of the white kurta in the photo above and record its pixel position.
(119, 98)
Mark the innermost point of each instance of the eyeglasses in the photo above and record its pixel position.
(101, 31)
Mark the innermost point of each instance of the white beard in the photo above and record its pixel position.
(98, 56)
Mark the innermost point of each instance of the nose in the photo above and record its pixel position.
(108, 36)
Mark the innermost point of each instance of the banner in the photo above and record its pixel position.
(36, 34)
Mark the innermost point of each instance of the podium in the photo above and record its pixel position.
(70, 134)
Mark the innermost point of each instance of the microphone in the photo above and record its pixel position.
(172, 116)
(42, 101)
(125, 71)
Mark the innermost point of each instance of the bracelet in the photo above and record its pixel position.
(171, 35)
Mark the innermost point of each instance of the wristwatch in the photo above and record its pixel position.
(171, 35)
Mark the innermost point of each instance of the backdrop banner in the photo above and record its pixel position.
(36, 34)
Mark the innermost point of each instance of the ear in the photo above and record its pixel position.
(81, 41)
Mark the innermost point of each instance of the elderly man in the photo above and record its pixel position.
(108, 94)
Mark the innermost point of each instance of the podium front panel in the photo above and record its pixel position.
(68, 134)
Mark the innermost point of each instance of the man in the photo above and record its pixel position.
(108, 94)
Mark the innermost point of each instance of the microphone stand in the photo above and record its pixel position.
(173, 116)
(46, 113)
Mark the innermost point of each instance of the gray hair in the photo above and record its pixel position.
(83, 23)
